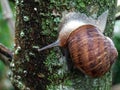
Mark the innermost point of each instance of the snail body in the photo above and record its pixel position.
(90, 51)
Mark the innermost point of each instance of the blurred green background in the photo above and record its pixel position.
(116, 39)
(6, 40)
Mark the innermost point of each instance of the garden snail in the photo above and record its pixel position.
(91, 51)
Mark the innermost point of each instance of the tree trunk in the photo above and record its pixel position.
(36, 26)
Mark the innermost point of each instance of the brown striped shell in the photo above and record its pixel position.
(91, 51)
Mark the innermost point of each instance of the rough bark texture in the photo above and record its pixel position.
(36, 26)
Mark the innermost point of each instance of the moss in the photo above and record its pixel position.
(38, 22)
(27, 58)
(36, 47)
(17, 50)
(54, 13)
(50, 25)
(26, 18)
(58, 71)
(32, 54)
(22, 34)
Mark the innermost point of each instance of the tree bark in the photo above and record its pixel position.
(36, 26)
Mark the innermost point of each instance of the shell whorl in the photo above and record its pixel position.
(91, 52)
(67, 30)
(69, 23)
(74, 20)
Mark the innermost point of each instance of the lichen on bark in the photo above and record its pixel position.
(36, 26)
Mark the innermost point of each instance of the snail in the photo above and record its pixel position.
(91, 52)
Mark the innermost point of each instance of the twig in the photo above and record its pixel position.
(8, 16)
(5, 54)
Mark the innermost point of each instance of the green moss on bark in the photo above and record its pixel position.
(91, 8)
(36, 26)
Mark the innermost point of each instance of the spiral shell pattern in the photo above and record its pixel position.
(91, 51)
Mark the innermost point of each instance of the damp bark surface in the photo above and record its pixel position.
(36, 26)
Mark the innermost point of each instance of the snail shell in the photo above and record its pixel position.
(90, 51)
